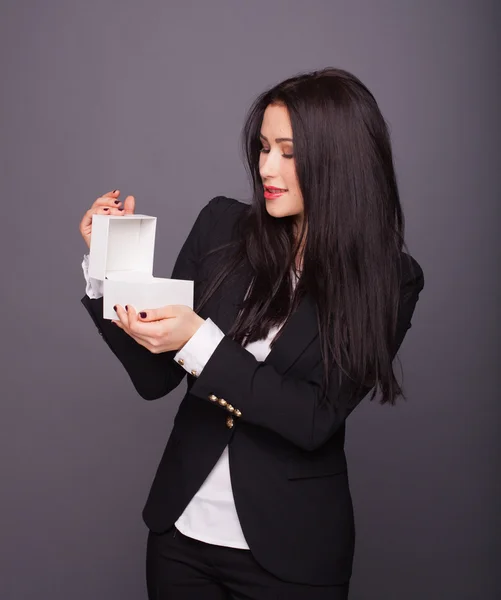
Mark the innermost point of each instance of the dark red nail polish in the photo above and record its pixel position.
(127, 308)
(117, 201)
(142, 315)
(115, 308)
(114, 191)
(106, 209)
(120, 209)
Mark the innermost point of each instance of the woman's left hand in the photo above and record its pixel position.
(159, 329)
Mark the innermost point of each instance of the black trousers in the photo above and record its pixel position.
(181, 568)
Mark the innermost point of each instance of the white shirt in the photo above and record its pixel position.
(211, 515)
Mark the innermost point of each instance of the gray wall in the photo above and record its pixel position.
(150, 98)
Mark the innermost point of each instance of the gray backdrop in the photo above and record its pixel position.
(150, 98)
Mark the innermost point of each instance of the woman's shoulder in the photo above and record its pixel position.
(412, 275)
(221, 214)
(221, 205)
(217, 221)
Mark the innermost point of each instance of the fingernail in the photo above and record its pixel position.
(127, 307)
(117, 201)
(142, 315)
(114, 191)
(115, 308)
(106, 209)
(120, 209)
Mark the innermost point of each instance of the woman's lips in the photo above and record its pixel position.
(270, 193)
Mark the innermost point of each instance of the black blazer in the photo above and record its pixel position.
(286, 451)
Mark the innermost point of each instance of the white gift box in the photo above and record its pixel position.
(121, 255)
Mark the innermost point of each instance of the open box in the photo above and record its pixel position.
(121, 255)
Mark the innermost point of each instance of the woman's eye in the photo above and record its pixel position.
(267, 151)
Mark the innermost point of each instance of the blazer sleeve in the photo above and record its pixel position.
(292, 407)
(155, 375)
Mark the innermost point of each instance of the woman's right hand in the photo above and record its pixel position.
(109, 204)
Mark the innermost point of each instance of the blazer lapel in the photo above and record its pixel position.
(229, 298)
(295, 336)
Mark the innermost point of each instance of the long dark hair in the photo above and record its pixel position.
(353, 229)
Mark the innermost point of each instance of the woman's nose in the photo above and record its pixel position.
(269, 165)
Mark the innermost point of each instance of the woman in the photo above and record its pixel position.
(302, 300)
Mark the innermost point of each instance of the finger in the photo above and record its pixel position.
(131, 313)
(144, 331)
(156, 314)
(131, 316)
(117, 212)
(106, 201)
(128, 320)
(129, 205)
(105, 210)
(122, 315)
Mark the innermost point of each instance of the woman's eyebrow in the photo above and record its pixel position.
(277, 140)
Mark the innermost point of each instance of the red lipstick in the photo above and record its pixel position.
(271, 192)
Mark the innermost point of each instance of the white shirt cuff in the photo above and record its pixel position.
(93, 287)
(195, 354)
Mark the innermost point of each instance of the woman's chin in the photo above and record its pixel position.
(279, 211)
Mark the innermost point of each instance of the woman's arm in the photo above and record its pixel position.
(290, 406)
(154, 375)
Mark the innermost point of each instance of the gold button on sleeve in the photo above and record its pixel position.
(212, 398)
(222, 402)
(237, 413)
(230, 408)
(229, 422)
(181, 361)
(194, 373)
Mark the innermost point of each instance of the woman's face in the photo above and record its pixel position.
(277, 166)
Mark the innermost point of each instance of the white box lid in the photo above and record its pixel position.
(121, 243)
